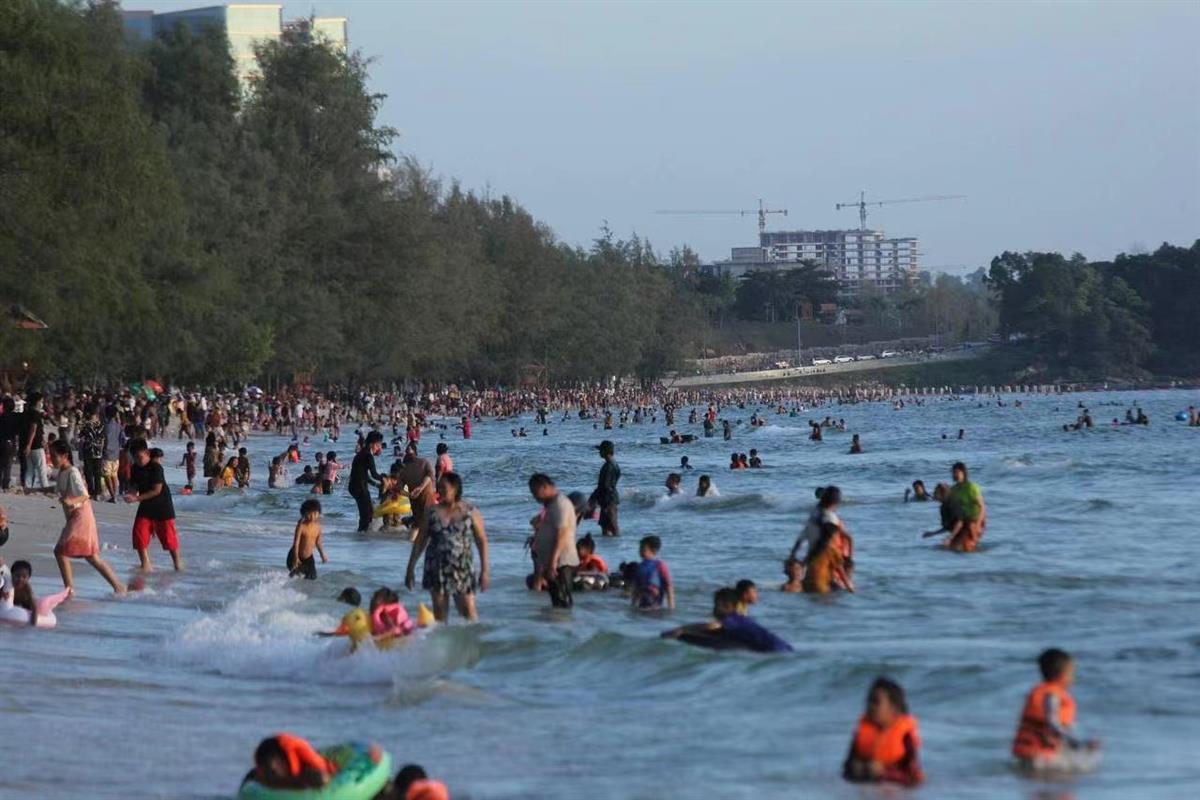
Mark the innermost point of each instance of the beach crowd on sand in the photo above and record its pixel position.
(87, 447)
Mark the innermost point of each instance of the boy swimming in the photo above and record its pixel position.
(307, 538)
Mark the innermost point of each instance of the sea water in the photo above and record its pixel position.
(1092, 545)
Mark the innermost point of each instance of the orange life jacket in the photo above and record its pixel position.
(1035, 736)
(300, 755)
(886, 745)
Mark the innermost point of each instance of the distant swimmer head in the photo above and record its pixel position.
(351, 596)
(831, 496)
(725, 602)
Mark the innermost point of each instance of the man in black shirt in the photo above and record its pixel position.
(363, 476)
(36, 475)
(156, 513)
(606, 495)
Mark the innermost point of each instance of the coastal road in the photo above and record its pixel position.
(759, 376)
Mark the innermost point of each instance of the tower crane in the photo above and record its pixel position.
(761, 212)
(862, 202)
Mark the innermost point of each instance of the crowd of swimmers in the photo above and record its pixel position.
(885, 745)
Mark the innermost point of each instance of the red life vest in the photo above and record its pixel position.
(885, 745)
(1035, 736)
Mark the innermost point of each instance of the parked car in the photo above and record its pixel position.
(843, 359)
(821, 362)
(888, 354)
(865, 358)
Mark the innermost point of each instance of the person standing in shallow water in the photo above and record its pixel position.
(606, 495)
(363, 475)
(966, 507)
(445, 536)
(554, 542)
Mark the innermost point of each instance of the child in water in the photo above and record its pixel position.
(886, 745)
(747, 595)
(389, 619)
(285, 761)
(588, 560)
(673, 481)
(189, 462)
(793, 568)
(1044, 740)
(652, 587)
(307, 538)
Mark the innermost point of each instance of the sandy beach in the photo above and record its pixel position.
(35, 522)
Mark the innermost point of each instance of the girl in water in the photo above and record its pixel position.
(79, 538)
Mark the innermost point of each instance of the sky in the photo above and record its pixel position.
(1069, 126)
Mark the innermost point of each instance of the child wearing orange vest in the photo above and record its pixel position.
(886, 745)
(285, 761)
(1044, 740)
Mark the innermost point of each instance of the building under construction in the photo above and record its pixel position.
(854, 257)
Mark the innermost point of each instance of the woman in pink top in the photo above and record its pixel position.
(79, 538)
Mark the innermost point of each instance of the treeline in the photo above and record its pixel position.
(163, 224)
(1119, 318)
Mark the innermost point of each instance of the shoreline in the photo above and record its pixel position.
(35, 522)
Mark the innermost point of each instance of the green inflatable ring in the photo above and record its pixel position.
(359, 777)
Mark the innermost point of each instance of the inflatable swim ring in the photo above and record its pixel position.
(19, 617)
(591, 582)
(716, 640)
(399, 507)
(363, 771)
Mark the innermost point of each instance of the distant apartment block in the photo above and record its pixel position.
(854, 257)
(245, 24)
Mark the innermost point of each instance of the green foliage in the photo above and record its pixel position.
(164, 222)
(772, 296)
(1103, 319)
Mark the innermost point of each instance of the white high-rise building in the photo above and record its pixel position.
(245, 24)
(854, 257)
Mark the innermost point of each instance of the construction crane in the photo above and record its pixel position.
(761, 212)
(862, 202)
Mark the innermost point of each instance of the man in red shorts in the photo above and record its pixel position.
(155, 513)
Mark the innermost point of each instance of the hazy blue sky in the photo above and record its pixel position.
(1069, 126)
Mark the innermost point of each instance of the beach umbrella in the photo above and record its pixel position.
(155, 385)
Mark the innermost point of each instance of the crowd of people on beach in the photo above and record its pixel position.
(89, 447)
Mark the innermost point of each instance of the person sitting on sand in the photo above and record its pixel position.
(886, 745)
(285, 761)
